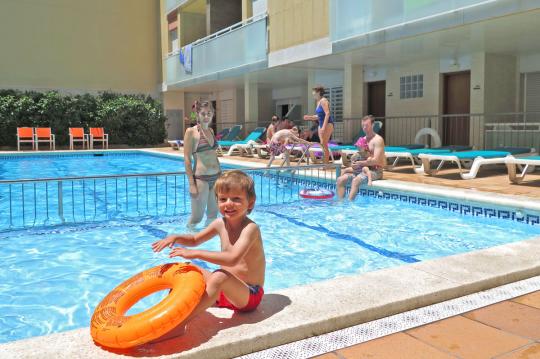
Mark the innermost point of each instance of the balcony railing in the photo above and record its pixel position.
(375, 21)
(235, 48)
(481, 131)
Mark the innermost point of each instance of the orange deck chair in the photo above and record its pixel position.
(97, 134)
(25, 135)
(76, 134)
(43, 134)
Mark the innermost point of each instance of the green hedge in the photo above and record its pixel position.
(133, 120)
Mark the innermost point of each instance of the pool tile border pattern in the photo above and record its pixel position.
(461, 208)
(361, 333)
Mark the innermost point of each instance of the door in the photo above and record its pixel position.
(457, 100)
(377, 101)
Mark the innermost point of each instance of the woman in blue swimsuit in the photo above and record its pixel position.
(326, 123)
(202, 165)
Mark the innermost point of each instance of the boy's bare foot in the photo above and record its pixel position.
(176, 332)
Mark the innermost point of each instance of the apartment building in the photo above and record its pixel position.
(469, 69)
(81, 46)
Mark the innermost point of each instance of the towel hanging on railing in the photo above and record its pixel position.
(186, 50)
(181, 55)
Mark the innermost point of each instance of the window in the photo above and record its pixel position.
(411, 86)
(335, 97)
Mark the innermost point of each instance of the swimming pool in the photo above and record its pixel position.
(55, 277)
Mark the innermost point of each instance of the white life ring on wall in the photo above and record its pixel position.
(428, 131)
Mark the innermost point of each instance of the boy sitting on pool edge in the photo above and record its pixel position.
(238, 284)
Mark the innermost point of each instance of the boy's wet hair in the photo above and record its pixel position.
(236, 179)
(369, 118)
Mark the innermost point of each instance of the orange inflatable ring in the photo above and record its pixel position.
(111, 328)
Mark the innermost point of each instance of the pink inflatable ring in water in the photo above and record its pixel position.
(312, 193)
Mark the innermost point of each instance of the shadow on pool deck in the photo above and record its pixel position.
(207, 325)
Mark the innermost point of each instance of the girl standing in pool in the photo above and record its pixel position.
(326, 123)
(202, 165)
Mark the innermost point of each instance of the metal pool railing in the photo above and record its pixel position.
(52, 201)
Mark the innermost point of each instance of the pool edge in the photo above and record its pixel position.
(312, 311)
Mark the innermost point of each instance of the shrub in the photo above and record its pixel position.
(134, 120)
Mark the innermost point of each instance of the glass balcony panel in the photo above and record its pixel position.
(357, 17)
(239, 47)
(172, 4)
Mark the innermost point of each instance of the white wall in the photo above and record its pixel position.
(329, 78)
(426, 105)
(529, 63)
(396, 131)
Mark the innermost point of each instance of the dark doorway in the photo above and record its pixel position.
(376, 103)
(284, 110)
(456, 100)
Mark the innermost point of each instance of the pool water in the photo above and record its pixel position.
(86, 165)
(55, 277)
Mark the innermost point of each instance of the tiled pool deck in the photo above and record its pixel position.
(508, 329)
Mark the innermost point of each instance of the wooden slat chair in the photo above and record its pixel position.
(76, 134)
(25, 135)
(43, 134)
(97, 134)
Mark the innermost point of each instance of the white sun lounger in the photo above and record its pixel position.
(243, 148)
(176, 144)
(527, 165)
(478, 158)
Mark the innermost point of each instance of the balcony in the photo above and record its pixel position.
(358, 23)
(171, 5)
(230, 52)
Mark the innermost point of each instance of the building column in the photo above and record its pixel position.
(247, 9)
(251, 105)
(173, 105)
(310, 85)
(494, 88)
(354, 101)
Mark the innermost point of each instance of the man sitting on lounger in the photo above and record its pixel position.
(375, 162)
(279, 142)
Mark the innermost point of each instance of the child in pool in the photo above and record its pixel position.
(362, 154)
(238, 284)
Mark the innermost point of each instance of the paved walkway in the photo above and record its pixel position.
(509, 329)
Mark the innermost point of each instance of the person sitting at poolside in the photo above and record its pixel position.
(361, 155)
(311, 134)
(200, 146)
(238, 284)
(279, 142)
(375, 162)
(272, 128)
